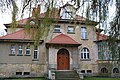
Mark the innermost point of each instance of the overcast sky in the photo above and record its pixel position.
(6, 17)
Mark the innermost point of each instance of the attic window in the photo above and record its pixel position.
(68, 15)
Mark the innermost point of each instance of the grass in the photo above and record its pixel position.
(26, 79)
(100, 78)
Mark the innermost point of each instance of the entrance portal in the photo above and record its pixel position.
(63, 61)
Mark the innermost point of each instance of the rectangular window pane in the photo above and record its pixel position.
(35, 56)
(88, 55)
(20, 49)
(82, 55)
(71, 29)
(28, 50)
(83, 33)
(13, 49)
(56, 28)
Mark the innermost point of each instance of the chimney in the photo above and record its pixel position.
(36, 11)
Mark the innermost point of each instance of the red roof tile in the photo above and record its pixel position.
(101, 37)
(62, 39)
(19, 35)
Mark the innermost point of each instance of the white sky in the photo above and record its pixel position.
(6, 17)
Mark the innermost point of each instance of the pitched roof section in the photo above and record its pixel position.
(19, 35)
(101, 37)
(63, 39)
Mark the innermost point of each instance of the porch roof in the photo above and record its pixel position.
(63, 39)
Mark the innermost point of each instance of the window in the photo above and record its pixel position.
(83, 32)
(28, 50)
(35, 55)
(20, 50)
(104, 70)
(56, 28)
(26, 73)
(85, 53)
(115, 70)
(89, 71)
(18, 73)
(68, 15)
(13, 49)
(82, 71)
(70, 29)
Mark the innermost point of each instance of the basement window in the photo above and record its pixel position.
(26, 73)
(89, 71)
(82, 71)
(18, 73)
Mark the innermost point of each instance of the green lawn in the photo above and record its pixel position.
(100, 78)
(26, 79)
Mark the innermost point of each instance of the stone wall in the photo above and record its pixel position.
(34, 70)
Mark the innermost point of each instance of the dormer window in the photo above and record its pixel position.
(68, 15)
(57, 29)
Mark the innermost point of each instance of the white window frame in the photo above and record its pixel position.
(13, 48)
(68, 15)
(27, 49)
(83, 33)
(70, 29)
(35, 50)
(20, 49)
(85, 53)
(57, 28)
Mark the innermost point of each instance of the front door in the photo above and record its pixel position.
(63, 61)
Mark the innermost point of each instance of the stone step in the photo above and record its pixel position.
(66, 75)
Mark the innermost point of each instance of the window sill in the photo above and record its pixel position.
(56, 32)
(11, 54)
(71, 32)
(85, 59)
(85, 39)
(27, 55)
(35, 60)
(19, 54)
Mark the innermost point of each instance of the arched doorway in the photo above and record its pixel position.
(63, 59)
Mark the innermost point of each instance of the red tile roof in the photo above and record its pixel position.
(19, 35)
(62, 39)
(101, 37)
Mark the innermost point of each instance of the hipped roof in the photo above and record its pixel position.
(63, 39)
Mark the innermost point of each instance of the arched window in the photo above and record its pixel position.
(104, 70)
(85, 53)
(115, 70)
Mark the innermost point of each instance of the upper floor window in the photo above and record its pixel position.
(83, 32)
(13, 49)
(85, 53)
(70, 29)
(68, 15)
(20, 49)
(56, 28)
(28, 50)
(35, 54)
